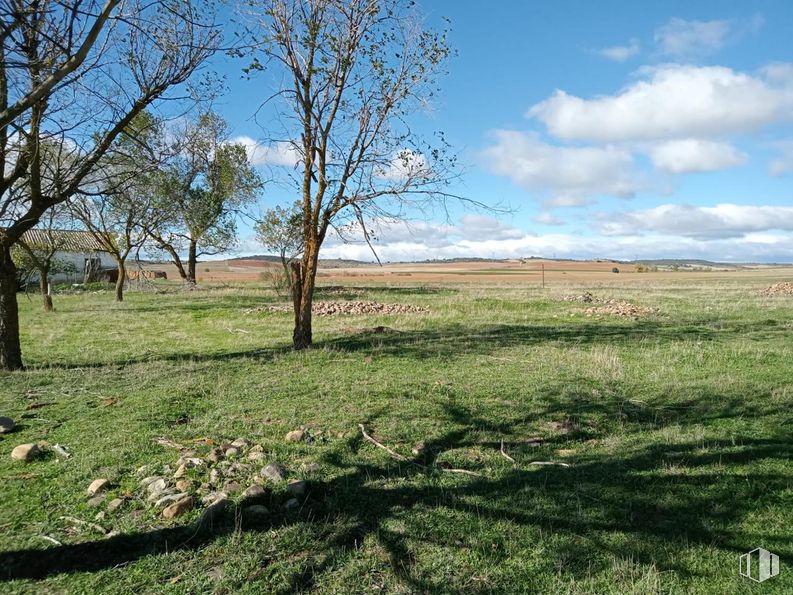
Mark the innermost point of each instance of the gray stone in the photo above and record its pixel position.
(115, 504)
(146, 481)
(215, 455)
(253, 492)
(184, 485)
(296, 487)
(292, 503)
(157, 486)
(215, 509)
(256, 455)
(232, 452)
(98, 485)
(170, 498)
(295, 435)
(257, 448)
(240, 443)
(96, 500)
(255, 511)
(154, 496)
(231, 487)
(6, 425)
(26, 452)
(311, 468)
(213, 497)
(273, 472)
(214, 477)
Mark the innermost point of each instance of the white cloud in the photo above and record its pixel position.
(784, 163)
(279, 153)
(680, 38)
(620, 53)
(720, 221)
(567, 174)
(547, 219)
(406, 164)
(674, 101)
(482, 227)
(695, 155)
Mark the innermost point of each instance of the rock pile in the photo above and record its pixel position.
(781, 288)
(354, 308)
(585, 297)
(619, 308)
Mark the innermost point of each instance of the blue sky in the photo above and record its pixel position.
(612, 129)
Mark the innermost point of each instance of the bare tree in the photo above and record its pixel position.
(73, 75)
(39, 256)
(354, 71)
(202, 188)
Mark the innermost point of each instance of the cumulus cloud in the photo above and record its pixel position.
(482, 227)
(674, 101)
(783, 164)
(718, 222)
(680, 38)
(568, 175)
(547, 219)
(279, 153)
(695, 155)
(621, 53)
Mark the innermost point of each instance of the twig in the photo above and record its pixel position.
(50, 539)
(504, 454)
(463, 471)
(394, 454)
(93, 526)
(549, 463)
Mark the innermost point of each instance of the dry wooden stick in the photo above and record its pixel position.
(169, 443)
(463, 471)
(396, 455)
(549, 463)
(504, 453)
(50, 539)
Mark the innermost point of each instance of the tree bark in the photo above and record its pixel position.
(45, 289)
(10, 350)
(122, 278)
(303, 278)
(191, 262)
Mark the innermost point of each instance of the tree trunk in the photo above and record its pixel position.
(122, 278)
(10, 350)
(45, 289)
(191, 262)
(303, 277)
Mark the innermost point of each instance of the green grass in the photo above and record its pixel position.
(677, 429)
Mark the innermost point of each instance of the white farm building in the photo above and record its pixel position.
(77, 248)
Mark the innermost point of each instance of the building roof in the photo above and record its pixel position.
(67, 240)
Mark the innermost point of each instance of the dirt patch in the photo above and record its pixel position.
(781, 288)
(619, 308)
(355, 308)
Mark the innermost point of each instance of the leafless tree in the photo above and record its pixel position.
(354, 72)
(73, 75)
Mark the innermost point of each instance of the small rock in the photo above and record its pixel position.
(231, 487)
(292, 503)
(215, 508)
(159, 495)
(339, 435)
(256, 455)
(6, 425)
(214, 477)
(419, 449)
(178, 508)
(297, 487)
(115, 504)
(240, 443)
(273, 472)
(184, 485)
(295, 435)
(232, 452)
(146, 481)
(215, 455)
(165, 500)
(25, 452)
(98, 485)
(253, 492)
(311, 468)
(180, 472)
(100, 516)
(96, 500)
(157, 486)
(214, 497)
(257, 448)
(255, 511)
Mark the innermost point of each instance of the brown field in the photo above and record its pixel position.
(508, 271)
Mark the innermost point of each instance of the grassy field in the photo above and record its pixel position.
(676, 429)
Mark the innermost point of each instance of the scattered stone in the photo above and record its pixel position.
(311, 468)
(147, 481)
(157, 486)
(253, 492)
(231, 487)
(180, 472)
(115, 504)
(184, 485)
(354, 307)
(96, 500)
(296, 487)
(419, 449)
(256, 455)
(26, 452)
(273, 472)
(215, 508)
(232, 452)
(170, 498)
(292, 503)
(215, 455)
(100, 516)
(781, 288)
(257, 448)
(98, 485)
(295, 435)
(255, 512)
(619, 308)
(177, 509)
(214, 477)
(585, 297)
(6, 425)
(240, 443)
(153, 497)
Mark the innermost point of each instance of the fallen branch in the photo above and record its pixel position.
(505, 455)
(50, 539)
(549, 463)
(367, 437)
(93, 526)
(463, 471)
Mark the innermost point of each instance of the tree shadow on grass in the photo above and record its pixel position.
(630, 505)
